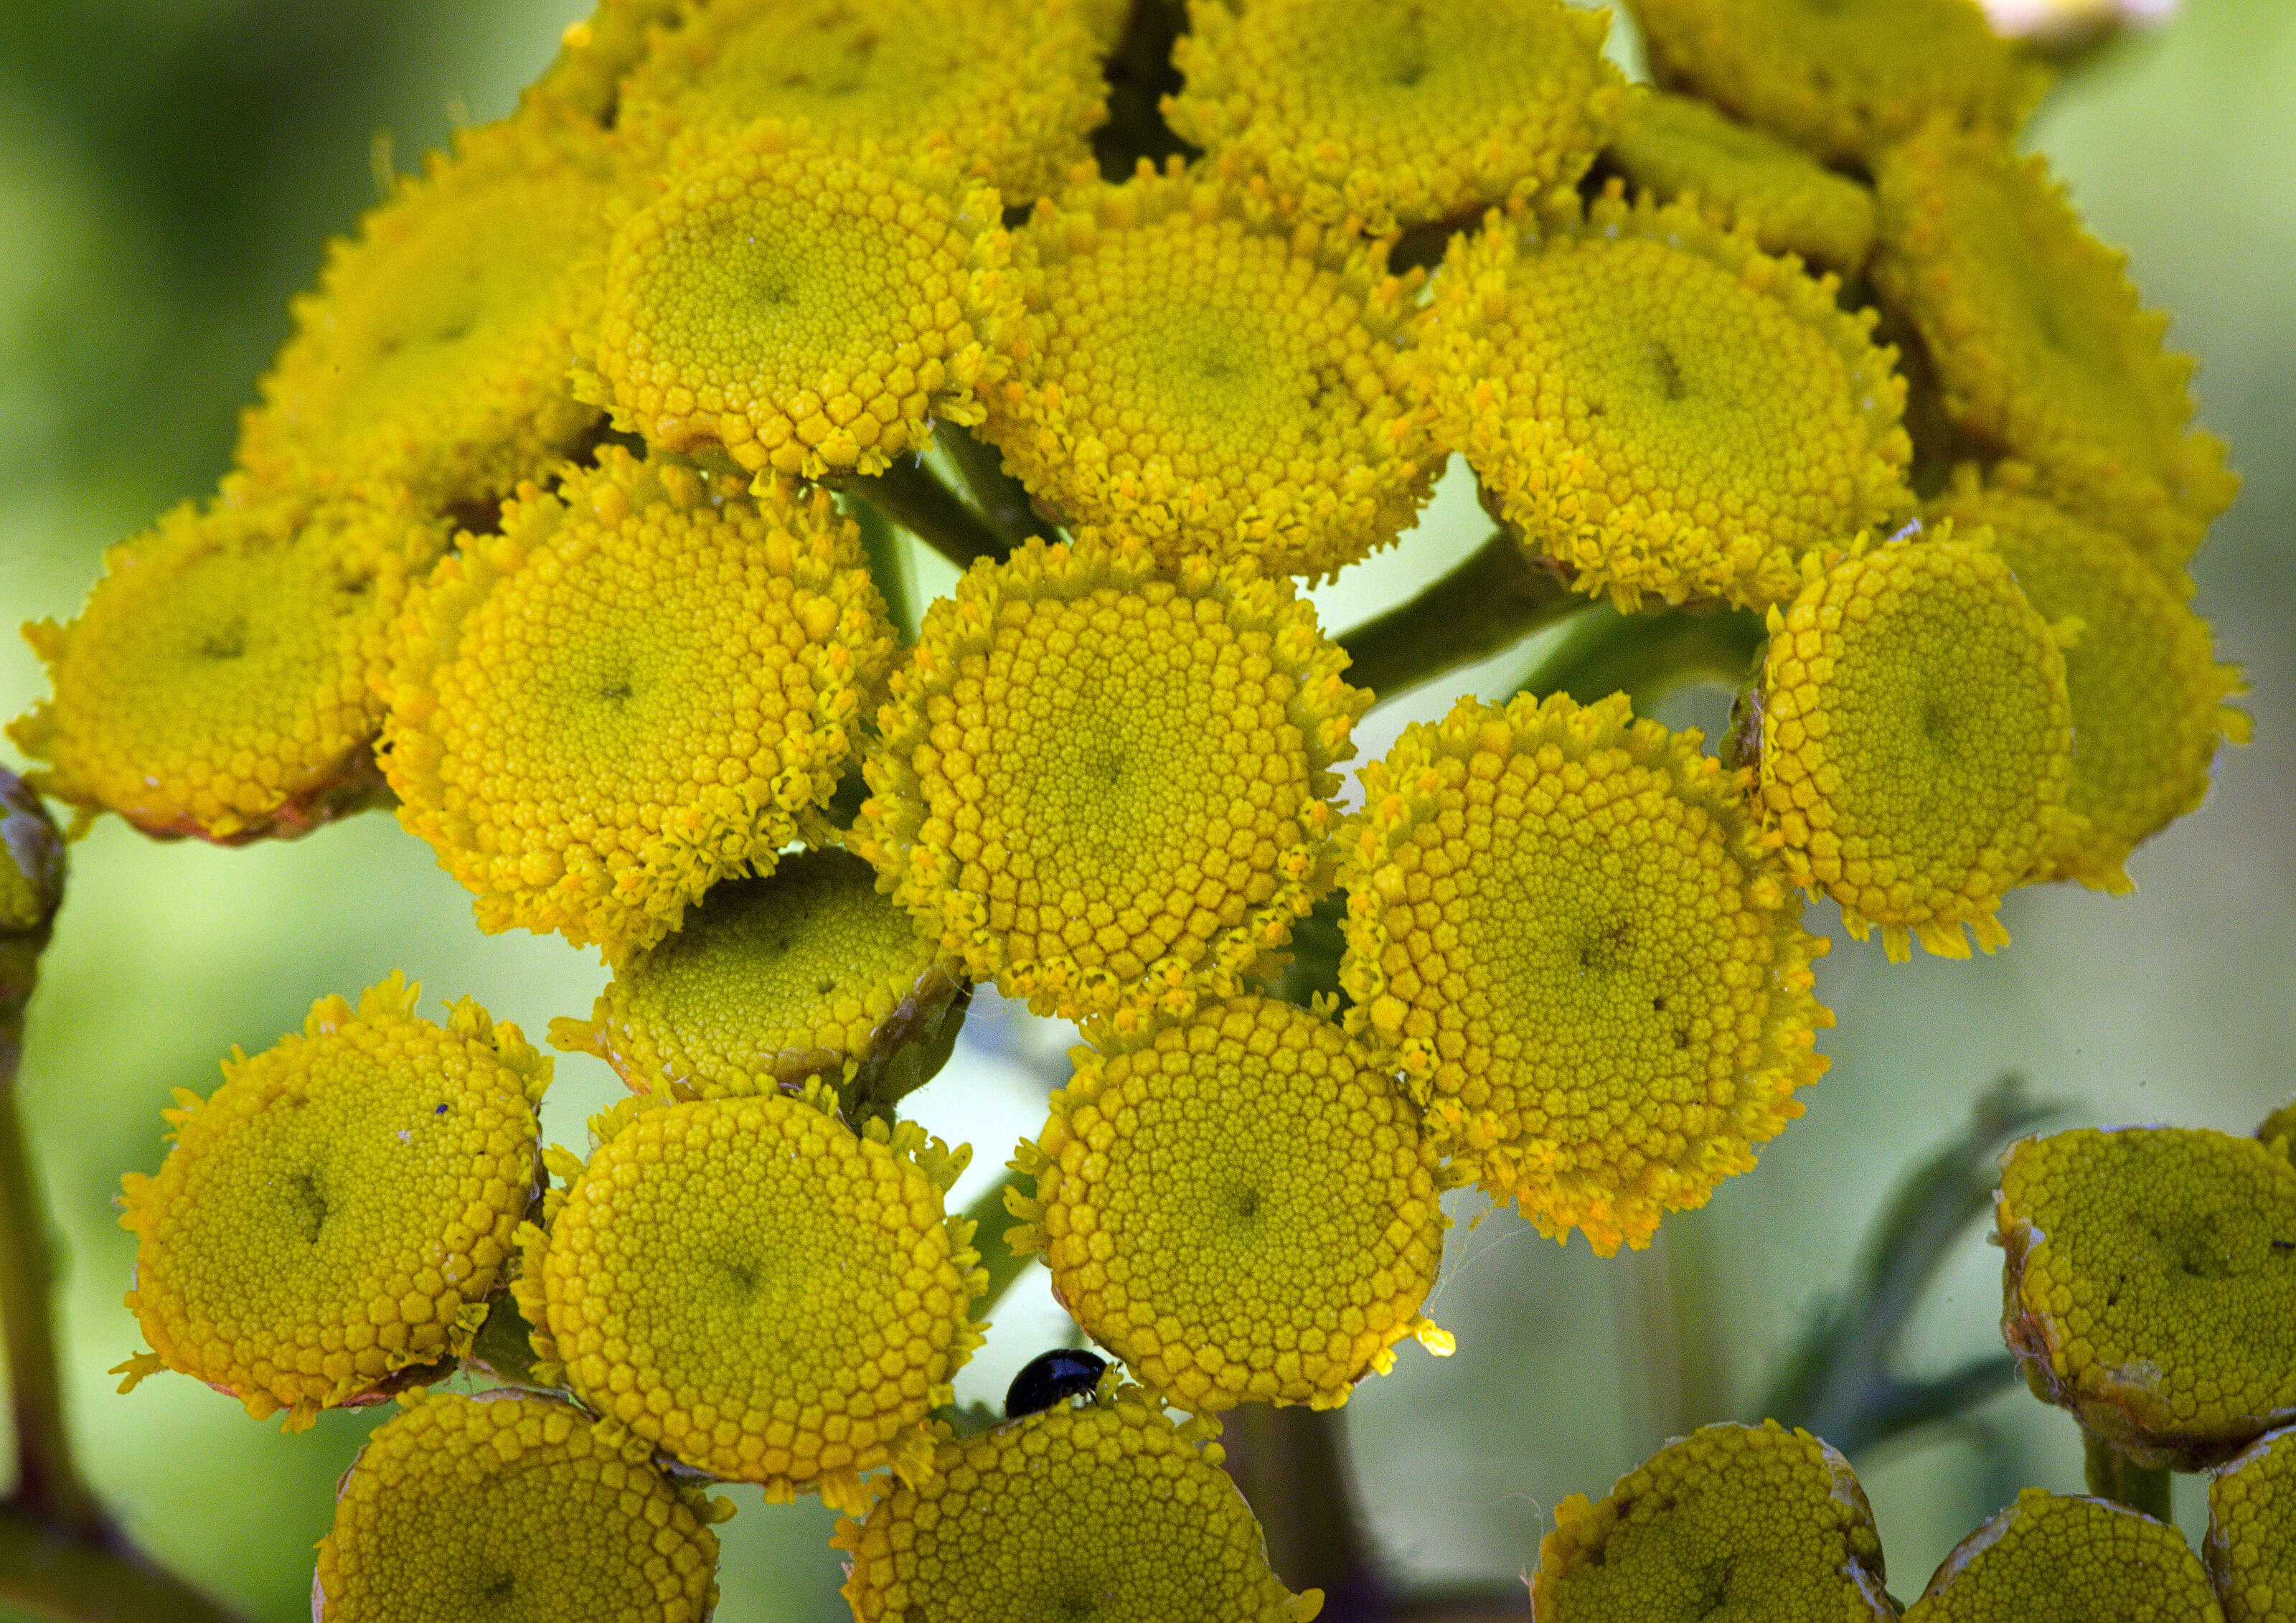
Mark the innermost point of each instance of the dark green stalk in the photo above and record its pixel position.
(1292, 1466)
(912, 496)
(1491, 600)
(2113, 1475)
(1003, 500)
(887, 568)
(1645, 656)
(990, 1219)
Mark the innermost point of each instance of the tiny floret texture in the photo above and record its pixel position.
(1731, 1520)
(1107, 1509)
(1107, 788)
(1562, 925)
(341, 1209)
(2251, 1548)
(1383, 113)
(486, 1507)
(640, 687)
(1184, 1200)
(2053, 1559)
(2150, 1285)
(1659, 405)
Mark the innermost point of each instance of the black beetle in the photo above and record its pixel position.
(1047, 1378)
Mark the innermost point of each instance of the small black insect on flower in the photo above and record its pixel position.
(1050, 1377)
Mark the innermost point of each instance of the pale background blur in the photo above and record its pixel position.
(169, 171)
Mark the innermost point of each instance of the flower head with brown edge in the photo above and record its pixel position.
(792, 1329)
(1660, 406)
(1100, 784)
(2053, 1559)
(2251, 1548)
(512, 1507)
(339, 1211)
(1562, 923)
(1194, 372)
(1184, 1202)
(1730, 1521)
(2150, 1286)
(641, 687)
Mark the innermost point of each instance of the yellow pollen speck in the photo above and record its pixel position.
(2052, 1558)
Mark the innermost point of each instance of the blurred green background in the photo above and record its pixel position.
(169, 171)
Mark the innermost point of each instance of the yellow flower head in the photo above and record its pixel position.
(1193, 373)
(595, 55)
(1008, 88)
(2151, 1285)
(434, 352)
(808, 971)
(1097, 783)
(1388, 112)
(1915, 740)
(1184, 1204)
(512, 1507)
(1672, 144)
(1845, 79)
(2051, 1559)
(1562, 923)
(811, 312)
(341, 1209)
(1729, 1521)
(640, 687)
(754, 1287)
(2251, 1550)
(2278, 1130)
(1661, 405)
(2039, 344)
(1107, 1509)
(2149, 701)
(216, 685)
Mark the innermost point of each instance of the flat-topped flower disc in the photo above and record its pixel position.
(2250, 1549)
(2053, 1559)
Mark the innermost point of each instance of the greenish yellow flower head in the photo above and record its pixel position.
(2052, 1558)
(640, 687)
(2150, 1285)
(1104, 786)
(793, 1326)
(1562, 925)
(1731, 1522)
(806, 311)
(1184, 1203)
(1383, 113)
(1674, 145)
(1197, 373)
(1659, 405)
(595, 55)
(341, 1209)
(1915, 740)
(2040, 347)
(1104, 1511)
(512, 1509)
(217, 683)
(1845, 79)
(2149, 699)
(2251, 1550)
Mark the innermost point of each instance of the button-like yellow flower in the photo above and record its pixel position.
(753, 1287)
(2151, 1286)
(216, 683)
(340, 1210)
(2039, 344)
(1387, 112)
(811, 312)
(1658, 404)
(2052, 1558)
(1097, 783)
(511, 1507)
(2252, 1543)
(1730, 1521)
(1108, 1510)
(640, 687)
(1184, 1202)
(1672, 144)
(1562, 921)
(1915, 737)
(1845, 79)
(1197, 374)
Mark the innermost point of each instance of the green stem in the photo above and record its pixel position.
(2113, 1475)
(990, 1219)
(912, 496)
(1292, 1466)
(1004, 500)
(1645, 655)
(1491, 600)
(51, 1574)
(888, 568)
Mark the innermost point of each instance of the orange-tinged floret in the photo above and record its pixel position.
(2151, 1285)
(1103, 785)
(2053, 1559)
(340, 1210)
(1660, 406)
(1184, 1202)
(1731, 1520)
(1562, 924)
(2250, 1549)
(641, 687)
